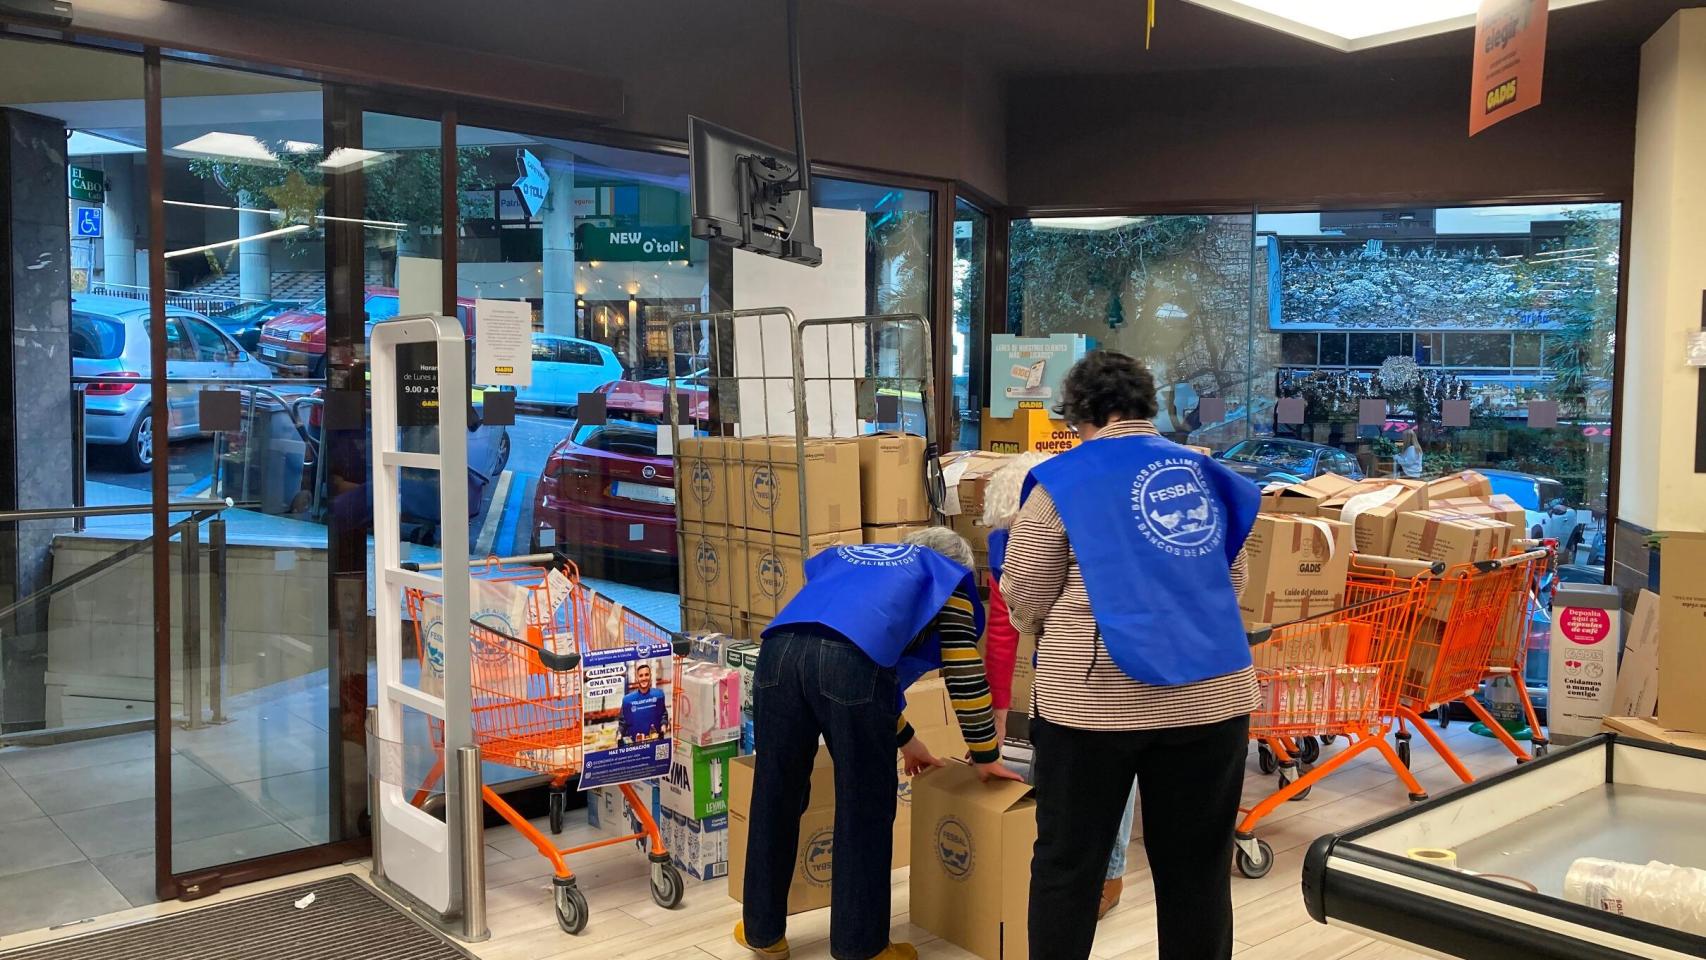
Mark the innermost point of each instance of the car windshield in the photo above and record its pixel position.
(633, 434)
(96, 338)
(1270, 453)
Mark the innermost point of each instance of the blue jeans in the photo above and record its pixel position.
(806, 686)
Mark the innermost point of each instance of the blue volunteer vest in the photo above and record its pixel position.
(1155, 528)
(997, 552)
(880, 596)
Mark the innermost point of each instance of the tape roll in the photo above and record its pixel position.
(1439, 858)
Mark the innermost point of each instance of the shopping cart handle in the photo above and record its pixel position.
(680, 644)
(558, 662)
(1259, 637)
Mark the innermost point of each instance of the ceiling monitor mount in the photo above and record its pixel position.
(748, 194)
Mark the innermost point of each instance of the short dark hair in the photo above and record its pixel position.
(1104, 385)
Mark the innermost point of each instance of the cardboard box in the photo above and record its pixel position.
(971, 861)
(891, 479)
(892, 533)
(699, 848)
(698, 782)
(772, 569)
(1638, 728)
(1327, 646)
(1495, 507)
(699, 617)
(1464, 483)
(1637, 692)
(965, 474)
(1027, 430)
(1298, 567)
(1372, 508)
(607, 811)
(704, 491)
(771, 478)
(1304, 499)
(752, 626)
(712, 571)
(1407, 570)
(1682, 633)
(1450, 538)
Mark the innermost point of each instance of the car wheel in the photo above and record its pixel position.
(503, 454)
(139, 449)
(1537, 533)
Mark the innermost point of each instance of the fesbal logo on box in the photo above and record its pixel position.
(954, 847)
(817, 860)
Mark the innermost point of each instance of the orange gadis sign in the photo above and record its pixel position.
(1510, 57)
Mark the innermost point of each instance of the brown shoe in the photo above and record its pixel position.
(898, 951)
(1111, 890)
(775, 951)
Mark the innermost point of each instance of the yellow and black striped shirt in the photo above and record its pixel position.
(962, 671)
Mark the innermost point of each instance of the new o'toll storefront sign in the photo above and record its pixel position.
(534, 184)
(630, 244)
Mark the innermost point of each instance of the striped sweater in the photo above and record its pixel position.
(962, 671)
(1077, 683)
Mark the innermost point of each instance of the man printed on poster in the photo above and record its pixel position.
(645, 710)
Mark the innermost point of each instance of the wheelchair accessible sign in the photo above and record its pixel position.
(86, 223)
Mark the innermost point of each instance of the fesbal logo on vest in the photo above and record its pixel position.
(1174, 509)
(879, 554)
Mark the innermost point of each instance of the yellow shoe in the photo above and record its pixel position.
(898, 951)
(777, 950)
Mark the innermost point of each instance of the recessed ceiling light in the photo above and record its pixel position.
(1084, 223)
(345, 157)
(1351, 25)
(231, 146)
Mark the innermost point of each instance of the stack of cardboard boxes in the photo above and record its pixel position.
(932, 717)
(739, 511)
(1676, 670)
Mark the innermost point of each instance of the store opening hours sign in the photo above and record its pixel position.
(1510, 57)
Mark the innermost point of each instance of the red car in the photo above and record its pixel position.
(605, 489)
(294, 342)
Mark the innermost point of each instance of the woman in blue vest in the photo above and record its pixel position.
(835, 662)
(1125, 561)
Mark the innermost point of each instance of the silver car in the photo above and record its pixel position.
(109, 338)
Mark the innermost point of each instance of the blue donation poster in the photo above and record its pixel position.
(1026, 372)
(626, 726)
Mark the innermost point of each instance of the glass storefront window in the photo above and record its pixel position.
(603, 257)
(898, 261)
(971, 278)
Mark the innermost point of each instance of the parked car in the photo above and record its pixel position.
(605, 488)
(294, 342)
(1549, 514)
(243, 320)
(109, 338)
(1266, 460)
(564, 368)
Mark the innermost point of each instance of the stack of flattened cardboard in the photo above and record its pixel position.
(1304, 499)
(966, 475)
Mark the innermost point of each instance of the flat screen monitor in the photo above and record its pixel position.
(745, 195)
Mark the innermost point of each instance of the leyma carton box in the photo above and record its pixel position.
(971, 860)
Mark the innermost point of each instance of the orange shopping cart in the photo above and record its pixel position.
(535, 710)
(1509, 662)
(1333, 675)
(1463, 615)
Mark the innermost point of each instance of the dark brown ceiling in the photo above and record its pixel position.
(1064, 37)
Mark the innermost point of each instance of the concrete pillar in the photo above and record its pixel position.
(559, 245)
(1659, 488)
(35, 396)
(118, 241)
(254, 262)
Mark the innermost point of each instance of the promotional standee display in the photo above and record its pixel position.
(626, 730)
(1026, 372)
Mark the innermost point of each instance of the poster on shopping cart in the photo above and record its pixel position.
(626, 725)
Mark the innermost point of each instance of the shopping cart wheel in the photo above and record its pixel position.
(571, 908)
(666, 885)
(1404, 752)
(1309, 749)
(1285, 781)
(1258, 867)
(1541, 748)
(559, 803)
(1328, 738)
(1265, 761)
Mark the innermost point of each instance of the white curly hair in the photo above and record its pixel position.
(1001, 493)
(945, 542)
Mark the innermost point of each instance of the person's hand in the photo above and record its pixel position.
(1000, 726)
(996, 771)
(919, 759)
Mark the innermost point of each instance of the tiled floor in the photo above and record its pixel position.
(625, 923)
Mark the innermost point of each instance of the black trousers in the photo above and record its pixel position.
(1189, 780)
